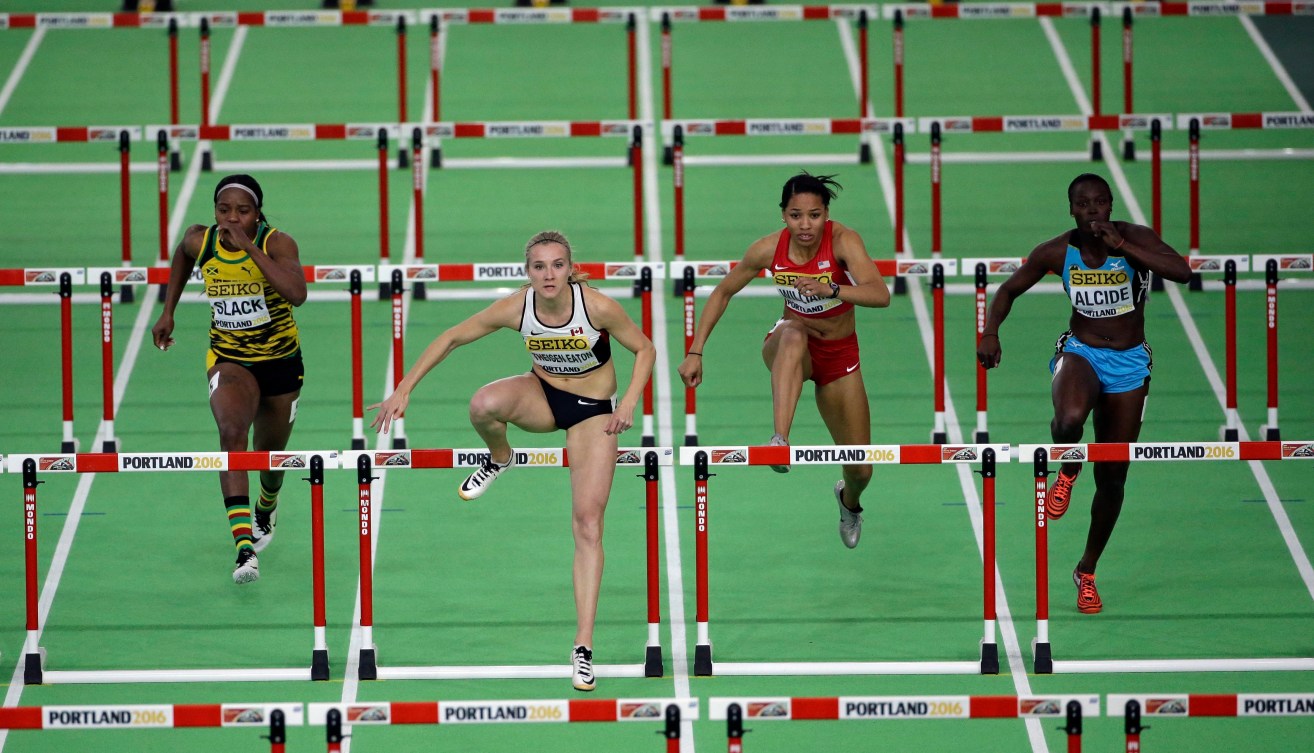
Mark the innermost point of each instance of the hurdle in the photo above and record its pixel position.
(1272, 264)
(29, 465)
(524, 16)
(676, 131)
(735, 711)
(1133, 708)
(688, 273)
(703, 460)
(858, 14)
(274, 717)
(668, 711)
(65, 278)
(641, 273)
(1122, 452)
(649, 458)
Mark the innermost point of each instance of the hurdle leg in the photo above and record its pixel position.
(1042, 662)
(989, 648)
(34, 657)
(319, 657)
(367, 668)
(652, 660)
(1269, 431)
(703, 649)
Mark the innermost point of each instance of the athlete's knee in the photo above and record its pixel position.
(484, 406)
(587, 528)
(1068, 424)
(233, 435)
(791, 336)
(857, 476)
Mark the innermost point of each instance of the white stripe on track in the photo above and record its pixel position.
(350, 680)
(1004, 622)
(663, 397)
(1297, 551)
(1278, 69)
(24, 60)
(141, 326)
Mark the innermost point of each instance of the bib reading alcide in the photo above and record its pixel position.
(249, 320)
(1112, 289)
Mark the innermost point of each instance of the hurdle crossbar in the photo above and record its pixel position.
(648, 458)
(879, 708)
(29, 465)
(152, 716)
(1123, 452)
(384, 713)
(704, 459)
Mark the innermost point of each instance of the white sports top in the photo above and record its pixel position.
(574, 348)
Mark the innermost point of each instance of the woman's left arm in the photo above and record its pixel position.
(612, 317)
(868, 288)
(282, 267)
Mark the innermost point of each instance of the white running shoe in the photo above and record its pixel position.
(262, 528)
(248, 567)
(779, 441)
(581, 668)
(478, 482)
(850, 525)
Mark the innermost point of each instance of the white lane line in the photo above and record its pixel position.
(1012, 647)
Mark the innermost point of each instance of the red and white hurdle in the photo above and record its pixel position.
(31, 466)
(1042, 456)
(274, 717)
(704, 460)
(647, 458)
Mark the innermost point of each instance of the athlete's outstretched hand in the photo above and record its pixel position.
(389, 410)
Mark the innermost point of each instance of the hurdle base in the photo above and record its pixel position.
(175, 162)
(358, 443)
(691, 440)
(703, 660)
(403, 158)
(367, 669)
(1270, 433)
(648, 441)
(1129, 151)
(864, 153)
(207, 161)
(319, 665)
(982, 437)
(385, 291)
(652, 662)
(1042, 663)
(678, 289)
(1196, 284)
(110, 445)
(127, 294)
(900, 285)
(34, 666)
(989, 658)
(399, 443)
(68, 446)
(668, 156)
(418, 292)
(160, 293)
(939, 437)
(1156, 283)
(1229, 434)
(435, 158)
(1096, 150)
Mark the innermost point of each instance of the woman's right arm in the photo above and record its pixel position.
(502, 313)
(180, 269)
(757, 258)
(1045, 258)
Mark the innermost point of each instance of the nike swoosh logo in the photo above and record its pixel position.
(586, 402)
(850, 369)
(532, 333)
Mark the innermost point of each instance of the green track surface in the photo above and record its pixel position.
(1198, 568)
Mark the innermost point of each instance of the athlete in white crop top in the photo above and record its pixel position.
(1102, 364)
(556, 315)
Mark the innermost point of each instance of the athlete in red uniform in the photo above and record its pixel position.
(822, 270)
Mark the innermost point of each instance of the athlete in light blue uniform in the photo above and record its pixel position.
(1102, 363)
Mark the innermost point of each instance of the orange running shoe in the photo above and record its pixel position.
(1088, 599)
(1060, 494)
